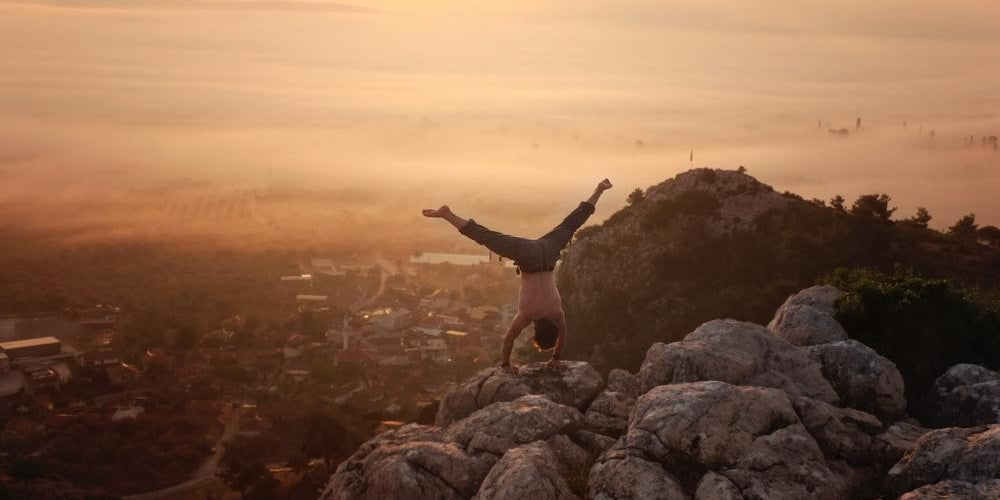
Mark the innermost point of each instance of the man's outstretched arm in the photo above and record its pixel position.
(560, 342)
(516, 326)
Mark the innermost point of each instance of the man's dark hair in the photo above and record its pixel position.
(546, 333)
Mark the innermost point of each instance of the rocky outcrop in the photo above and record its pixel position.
(806, 318)
(738, 353)
(944, 459)
(523, 447)
(576, 386)
(861, 377)
(966, 395)
(733, 411)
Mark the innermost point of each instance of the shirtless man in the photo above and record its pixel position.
(540, 302)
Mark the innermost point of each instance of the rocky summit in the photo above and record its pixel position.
(735, 410)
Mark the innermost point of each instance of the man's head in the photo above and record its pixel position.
(546, 333)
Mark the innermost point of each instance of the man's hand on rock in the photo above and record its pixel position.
(555, 364)
(509, 369)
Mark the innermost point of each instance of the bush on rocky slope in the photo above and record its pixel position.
(923, 325)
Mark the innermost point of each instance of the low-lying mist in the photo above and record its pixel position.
(328, 127)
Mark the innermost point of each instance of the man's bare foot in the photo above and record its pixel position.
(604, 185)
(437, 212)
(509, 369)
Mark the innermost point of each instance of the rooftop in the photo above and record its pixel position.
(317, 298)
(21, 344)
(450, 258)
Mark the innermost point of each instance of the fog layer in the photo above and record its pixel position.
(334, 123)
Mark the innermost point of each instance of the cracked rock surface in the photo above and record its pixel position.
(966, 395)
(739, 353)
(970, 455)
(861, 377)
(526, 472)
(574, 386)
(750, 436)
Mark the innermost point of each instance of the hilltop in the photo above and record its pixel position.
(712, 243)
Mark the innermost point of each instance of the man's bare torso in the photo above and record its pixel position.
(539, 296)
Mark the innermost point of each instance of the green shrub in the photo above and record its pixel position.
(923, 325)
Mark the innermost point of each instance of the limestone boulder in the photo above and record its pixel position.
(956, 490)
(965, 395)
(623, 382)
(626, 474)
(714, 486)
(738, 353)
(862, 378)
(526, 472)
(897, 440)
(970, 455)
(806, 325)
(505, 425)
(608, 413)
(411, 462)
(843, 433)
(822, 297)
(807, 317)
(751, 436)
(593, 442)
(575, 386)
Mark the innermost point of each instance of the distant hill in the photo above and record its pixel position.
(715, 243)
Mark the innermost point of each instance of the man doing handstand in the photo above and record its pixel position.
(540, 302)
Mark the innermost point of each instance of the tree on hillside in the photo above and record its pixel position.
(965, 229)
(635, 196)
(873, 206)
(921, 218)
(837, 202)
(991, 234)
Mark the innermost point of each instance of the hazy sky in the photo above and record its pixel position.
(389, 106)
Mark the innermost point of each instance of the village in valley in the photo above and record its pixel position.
(365, 345)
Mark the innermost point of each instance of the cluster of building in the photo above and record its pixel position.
(32, 360)
(390, 336)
